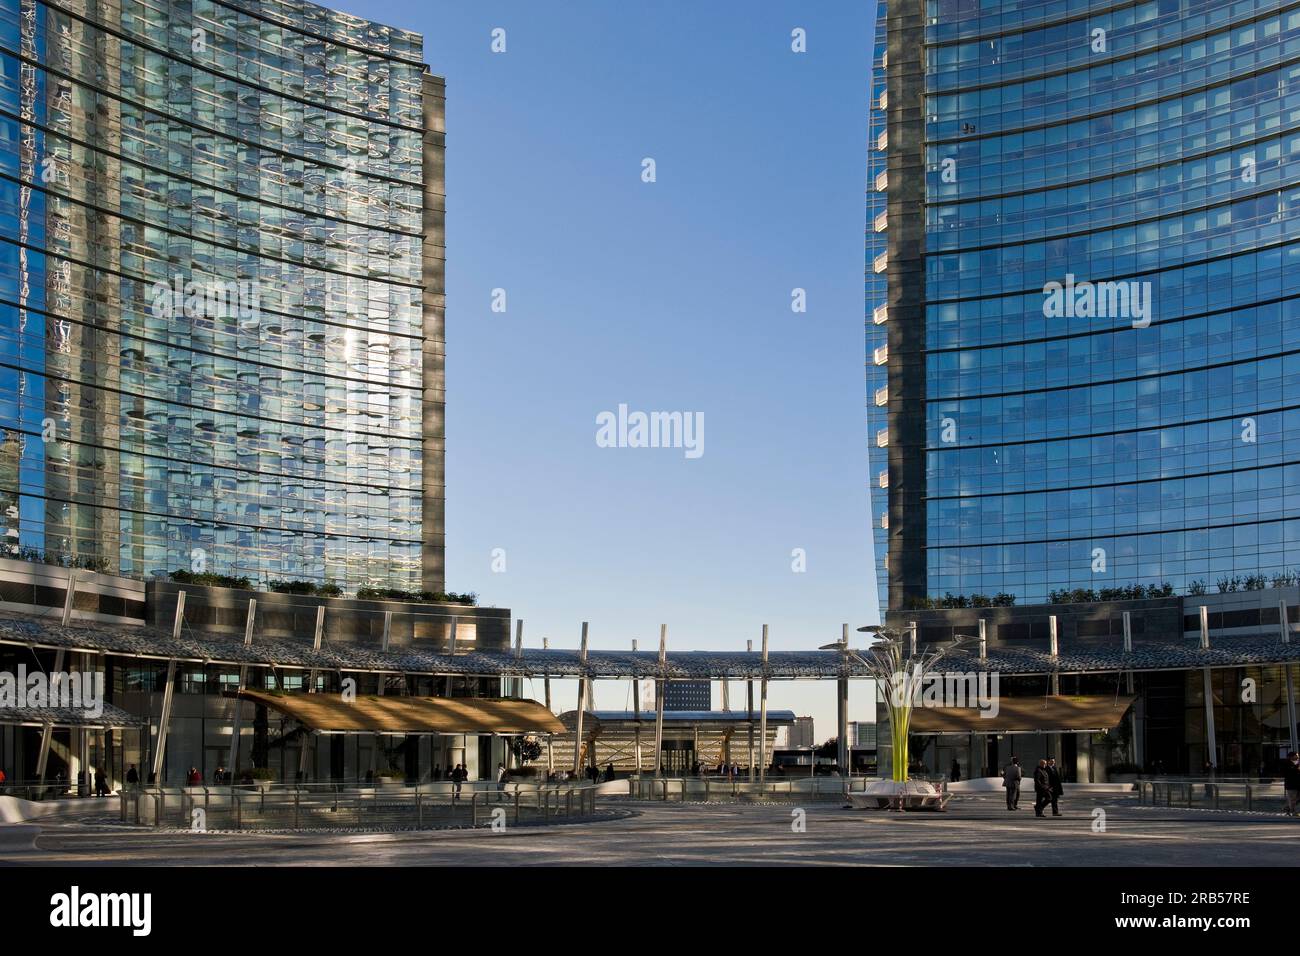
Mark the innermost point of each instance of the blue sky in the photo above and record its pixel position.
(665, 296)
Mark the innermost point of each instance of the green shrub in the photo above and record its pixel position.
(416, 597)
(212, 580)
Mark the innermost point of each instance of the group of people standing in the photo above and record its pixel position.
(1048, 787)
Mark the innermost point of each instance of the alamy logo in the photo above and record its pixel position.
(949, 689)
(80, 690)
(651, 430)
(209, 299)
(74, 908)
(1114, 300)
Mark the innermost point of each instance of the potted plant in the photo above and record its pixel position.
(260, 777)
(392, 777)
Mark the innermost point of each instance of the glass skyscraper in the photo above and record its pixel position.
(221, 291)
(1087, 274)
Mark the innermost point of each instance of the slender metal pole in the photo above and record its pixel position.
(306, 743)
(546, 682)
(378, 740)
(517, 683)
(315, 644)
(164, 721)
(47, 729)
(659, 698)
(726, 738)
(1207, 682)
(762, 720)
(843, 701)
(1284, 623)
(636, 715)
(70, 596)
(550, 738)
(236, 727)
(582, 702)
(749, 713)
(1211, 743)
(452, 652)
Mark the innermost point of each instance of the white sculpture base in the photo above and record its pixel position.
(908, 795)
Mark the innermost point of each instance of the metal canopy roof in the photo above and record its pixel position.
(726, 717)
(112, 718)
(331, 714)
(1075, 657)
(1025, 715)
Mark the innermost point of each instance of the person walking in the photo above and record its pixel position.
(954, 772)
(457, 778)
(101, 782)
(132, 777)
(1042, 788)
(1054, 779)
(1011, 777)
(1291, 782)
(501, 778)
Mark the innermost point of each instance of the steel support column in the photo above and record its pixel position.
(842, 699)
(582, 701)
(636, 714)
(749, 714)
(47, 729)
(163, 721)
(1284, 624)
(659, 698)
(762, 719)
(236, 727)
(1210, 742)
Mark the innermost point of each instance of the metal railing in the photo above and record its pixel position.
(1219, 794)
(685, 789)
(437, 805)
(50, 789)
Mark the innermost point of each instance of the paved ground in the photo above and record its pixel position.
(974, 831)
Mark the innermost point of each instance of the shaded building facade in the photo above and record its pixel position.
(1087, 274)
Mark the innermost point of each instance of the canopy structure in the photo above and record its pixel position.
(1149, 653)
(1025, 715)
(109, 718)
(707, 736)
(331, 714)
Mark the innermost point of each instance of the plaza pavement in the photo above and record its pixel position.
(974, 831)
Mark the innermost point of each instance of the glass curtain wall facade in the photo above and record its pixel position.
(878, 307)
(1103, 261)
(220, 319)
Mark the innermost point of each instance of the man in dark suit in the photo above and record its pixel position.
(1042, 788)
(1054, 781)
(1011, 781)
(1291, 782)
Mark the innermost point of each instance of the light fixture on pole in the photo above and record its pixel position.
(897, 660)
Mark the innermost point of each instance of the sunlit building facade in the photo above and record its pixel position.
(221, 292)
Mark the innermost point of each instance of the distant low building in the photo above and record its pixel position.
(801, 734)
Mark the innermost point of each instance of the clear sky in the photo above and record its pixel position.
(666, 296)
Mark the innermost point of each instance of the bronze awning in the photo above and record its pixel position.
(331, 714)
(1025, 715)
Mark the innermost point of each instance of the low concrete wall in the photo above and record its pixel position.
(994, 785)
(15, 810)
